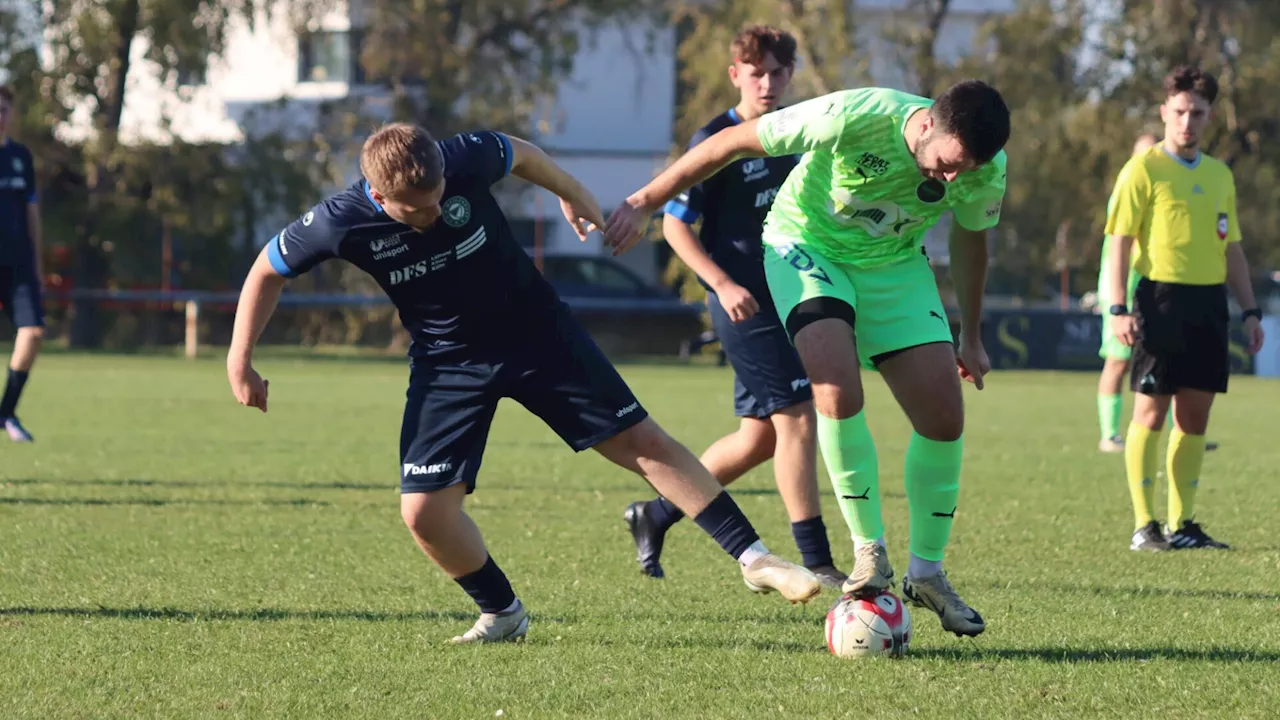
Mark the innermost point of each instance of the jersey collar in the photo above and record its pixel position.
(1188, 164)
(368, 194)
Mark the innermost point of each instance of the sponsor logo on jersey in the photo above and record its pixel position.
(870, 164)
(387, 247)
(764, 198)
(878, 218)
(438, 261)
(1224, 226)
(754, 169)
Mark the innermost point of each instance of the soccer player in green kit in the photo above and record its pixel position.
(1115, 354)
(847, 271)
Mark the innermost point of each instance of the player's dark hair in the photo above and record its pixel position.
(974, 112)
(1188, 78)
(6, 93)
(755, 41)
(399, 156)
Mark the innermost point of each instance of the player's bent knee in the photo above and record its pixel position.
(645, 440)
(759, 437)
(426, 510)
(32, 333)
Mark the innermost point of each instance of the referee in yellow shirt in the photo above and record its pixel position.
(1176, 207)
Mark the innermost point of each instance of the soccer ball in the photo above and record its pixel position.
(858, 627)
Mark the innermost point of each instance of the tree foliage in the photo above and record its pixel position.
(1082, 78)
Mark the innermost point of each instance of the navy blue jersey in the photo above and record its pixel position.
(733, 204)
(17, 191)
(462, 287)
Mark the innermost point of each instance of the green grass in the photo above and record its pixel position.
(166, 553)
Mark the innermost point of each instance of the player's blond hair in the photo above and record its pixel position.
(400, 156)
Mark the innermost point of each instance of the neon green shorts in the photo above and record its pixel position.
(896, 306)
(1112, 348)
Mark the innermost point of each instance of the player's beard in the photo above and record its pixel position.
(919, 153)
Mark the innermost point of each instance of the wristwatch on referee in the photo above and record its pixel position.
(1119, 310)
(1252, 313)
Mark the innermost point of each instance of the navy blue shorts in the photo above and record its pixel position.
(767, 373)
(20, 293)
(566, 380)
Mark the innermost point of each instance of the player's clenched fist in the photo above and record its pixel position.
(249, 387)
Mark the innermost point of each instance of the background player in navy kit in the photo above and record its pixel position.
(19, 265)
(771, 391)
(484, 325)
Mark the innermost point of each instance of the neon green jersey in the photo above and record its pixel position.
(857, 195)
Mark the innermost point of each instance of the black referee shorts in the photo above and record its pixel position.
(1182, 338)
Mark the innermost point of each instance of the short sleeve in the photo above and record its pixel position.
(1130, 200)
(687, 206)
(29, 175)
(810, 125)
(1233, 217)
(982, 211)
(483, 153)
(305, 243)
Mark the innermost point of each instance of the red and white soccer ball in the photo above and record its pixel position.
(859, 627)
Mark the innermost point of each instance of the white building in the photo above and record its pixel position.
(611, 124)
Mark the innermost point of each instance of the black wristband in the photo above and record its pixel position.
(1119, 310)
(1253, 313)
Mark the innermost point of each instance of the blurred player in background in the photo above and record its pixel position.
(846, 268)
(484, 325)
(1175, 207)
(20, 265)
(771, 393)
(1114, 353)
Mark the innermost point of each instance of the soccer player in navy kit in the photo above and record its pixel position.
(484, 325)
(19, 265)
(771, 391)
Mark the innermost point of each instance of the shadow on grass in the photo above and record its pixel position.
(1138, 592)
(252, 614)
(1068, 655)
(153, 502)
(199, 484)
(247, 614)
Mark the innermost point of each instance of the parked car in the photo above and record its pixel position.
(623, 313)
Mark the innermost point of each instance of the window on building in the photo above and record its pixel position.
(334, 56)
(328, 56)
(191, 77)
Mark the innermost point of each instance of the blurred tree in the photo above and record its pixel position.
(114, 194)
(455, 65)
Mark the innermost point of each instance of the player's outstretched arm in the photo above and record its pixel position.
(258, 298)
(969, 256)
(579, 206)
(627, 223)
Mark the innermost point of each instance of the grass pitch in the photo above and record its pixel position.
(166, 553)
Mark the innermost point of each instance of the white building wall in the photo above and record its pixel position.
(260, 65)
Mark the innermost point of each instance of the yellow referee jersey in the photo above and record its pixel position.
(1182, 213)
